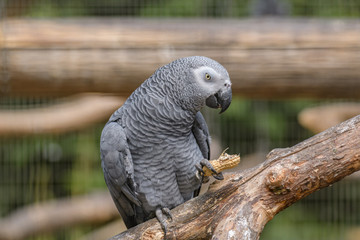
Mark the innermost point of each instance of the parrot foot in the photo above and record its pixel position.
(162, 214)
(206, 163)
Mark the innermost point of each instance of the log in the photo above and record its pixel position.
(320, 118)
(240, 206)
(266, 58)
(71, 114)
(92, 208)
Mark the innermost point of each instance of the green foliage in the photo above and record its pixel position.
(262, 125)
(195, 8)
(282, 227)
(41, 168)
(49, 8)
(184, 8)
(326, 214)
(87, 174)
(326, 8)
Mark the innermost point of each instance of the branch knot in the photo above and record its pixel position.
(275, 182)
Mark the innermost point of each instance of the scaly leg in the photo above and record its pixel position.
(162, 214)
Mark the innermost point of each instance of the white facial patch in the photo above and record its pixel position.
(211, 85)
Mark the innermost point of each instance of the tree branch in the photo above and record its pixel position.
(240, 206)
(74, 113)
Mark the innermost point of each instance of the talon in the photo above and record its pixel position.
(207, 164)
(219, 176)
(198, 175)
(160, 217)
(160, 212)
(168, 213)
(199, 168)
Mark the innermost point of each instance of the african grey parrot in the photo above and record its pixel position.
(153, 146)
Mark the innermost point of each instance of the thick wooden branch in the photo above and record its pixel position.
(240, 206)
(73, 113)
(266, 58)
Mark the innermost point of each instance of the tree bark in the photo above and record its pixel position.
(240, 206)
(266, 58)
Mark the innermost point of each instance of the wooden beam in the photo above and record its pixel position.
(266, 58)
(240, 206)
(71, 114)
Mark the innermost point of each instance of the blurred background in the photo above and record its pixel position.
(66, 65)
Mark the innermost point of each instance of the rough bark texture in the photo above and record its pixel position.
(240, 206)
(266, 58)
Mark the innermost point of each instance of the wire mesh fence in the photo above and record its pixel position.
(35, 169)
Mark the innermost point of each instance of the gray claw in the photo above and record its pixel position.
(207, 164)
(162, 214)
(200, 174)
(167, 212)
(199, 168)
(219, 176)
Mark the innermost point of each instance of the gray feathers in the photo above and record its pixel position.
(201, 134)
(118, 170)
(150, 146)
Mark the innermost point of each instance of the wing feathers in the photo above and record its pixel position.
(201, 134)
(118, 171)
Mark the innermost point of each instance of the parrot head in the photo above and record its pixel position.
(213, 83)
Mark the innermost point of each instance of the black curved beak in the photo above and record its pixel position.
(220, 99)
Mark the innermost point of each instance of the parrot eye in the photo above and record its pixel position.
(207, 76)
